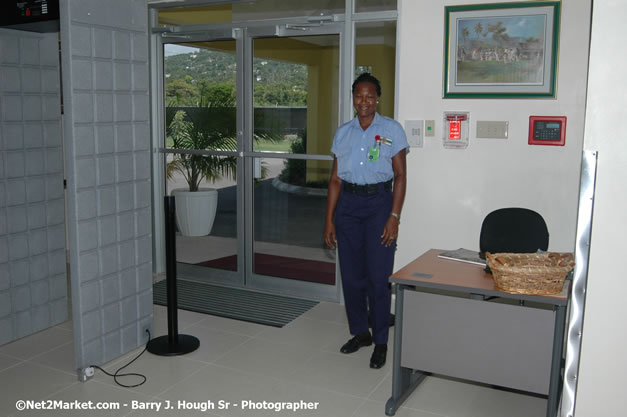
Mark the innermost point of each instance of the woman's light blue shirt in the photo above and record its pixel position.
(351, 143)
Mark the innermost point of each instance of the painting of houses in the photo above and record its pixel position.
(501, 50)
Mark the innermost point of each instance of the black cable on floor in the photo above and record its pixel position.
(117, 373)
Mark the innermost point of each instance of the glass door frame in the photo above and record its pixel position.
(244, 37)
(221, 277)
(263, 282)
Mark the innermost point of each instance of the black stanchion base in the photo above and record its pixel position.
(161, 345)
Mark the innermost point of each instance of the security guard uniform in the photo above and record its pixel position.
(364, 164)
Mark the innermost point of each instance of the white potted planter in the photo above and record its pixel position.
(195, 211)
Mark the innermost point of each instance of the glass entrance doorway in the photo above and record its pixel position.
(249, 125)
(289, 198)
(201, 123)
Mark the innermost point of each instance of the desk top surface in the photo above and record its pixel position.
(430, 271)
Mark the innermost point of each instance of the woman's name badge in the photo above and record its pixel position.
(373, 153)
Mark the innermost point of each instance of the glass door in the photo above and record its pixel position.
(295, 111)
(249, 124)
(201, 164)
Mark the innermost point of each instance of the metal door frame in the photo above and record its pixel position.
(256, 281)
(243, 35)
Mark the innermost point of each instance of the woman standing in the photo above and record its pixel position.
(366, 194)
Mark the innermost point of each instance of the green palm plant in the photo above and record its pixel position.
(209, 126)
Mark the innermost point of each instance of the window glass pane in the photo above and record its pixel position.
(199, 68)
(375, 52)
(289, 219)
(206, 220)
(295, 95)
(199, 81)
(295, 102)
(374, 5)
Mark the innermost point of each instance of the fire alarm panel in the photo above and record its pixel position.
(547, 130)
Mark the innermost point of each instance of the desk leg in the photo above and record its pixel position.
(556, 362)
(404, 380)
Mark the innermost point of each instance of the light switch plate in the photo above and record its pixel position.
(415, 133)
(492, 130)
(429, 127)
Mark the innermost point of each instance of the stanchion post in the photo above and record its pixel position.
(174, 343)
(170, 268)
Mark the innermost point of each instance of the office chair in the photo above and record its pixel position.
(514, 229)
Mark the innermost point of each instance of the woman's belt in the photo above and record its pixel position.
(367, 188)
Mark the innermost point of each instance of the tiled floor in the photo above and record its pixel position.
(240, 361)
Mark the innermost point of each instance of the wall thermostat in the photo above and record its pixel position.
(547, 130)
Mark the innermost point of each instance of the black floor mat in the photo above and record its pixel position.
(234, 303)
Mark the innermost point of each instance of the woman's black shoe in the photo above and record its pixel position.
(377, 360)
(356, 342)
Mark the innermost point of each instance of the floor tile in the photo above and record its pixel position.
(8, 361)
(213, 343)
(496, 403)
(372, 408)
(61, 358)
(185, 319)
(172, 412)
(444, 396)
(37, 343)
(323, 402)
(231, 325)
(161, 372)
(325, 311)
(239, 361)
(245, 393)
(306, 333)
(29, 381)
(265, 357)
(383, 391)
(347, 374)
(217, 384)
(119, 401)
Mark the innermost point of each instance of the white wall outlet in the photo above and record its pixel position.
(492, 130)
(85, 373)
(414, 129)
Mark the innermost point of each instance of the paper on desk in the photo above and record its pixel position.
(463, 255)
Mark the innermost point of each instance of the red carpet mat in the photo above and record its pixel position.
(282, 266)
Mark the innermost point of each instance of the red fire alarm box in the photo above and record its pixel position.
(547, 130)
(456, 130)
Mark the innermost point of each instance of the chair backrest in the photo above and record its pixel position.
(513, 229)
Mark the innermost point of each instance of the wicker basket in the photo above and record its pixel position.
(530, 273)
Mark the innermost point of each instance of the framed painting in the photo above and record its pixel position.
(501, 50)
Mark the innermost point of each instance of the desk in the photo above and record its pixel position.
(453, 321)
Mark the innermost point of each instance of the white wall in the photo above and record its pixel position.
(601, 387)
(451, 191)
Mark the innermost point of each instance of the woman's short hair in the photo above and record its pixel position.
(366, 77)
